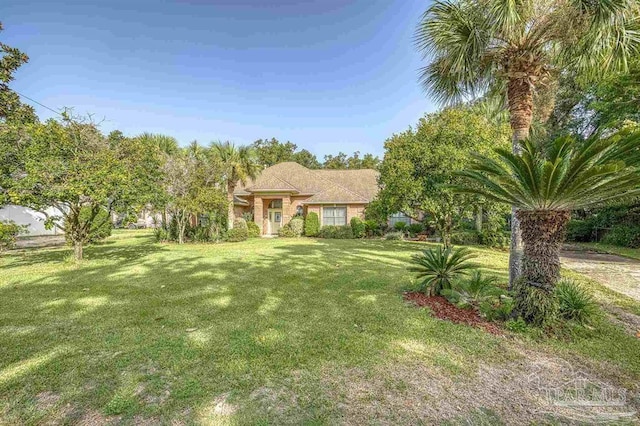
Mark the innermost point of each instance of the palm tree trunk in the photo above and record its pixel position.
(543, 232)
(520, 98)
(231, 215)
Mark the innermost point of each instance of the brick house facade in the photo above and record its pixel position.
(288, 189)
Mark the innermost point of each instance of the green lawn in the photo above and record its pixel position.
(269, 331)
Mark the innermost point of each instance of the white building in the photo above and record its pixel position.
(33, 219)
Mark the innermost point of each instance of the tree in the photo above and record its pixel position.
(307, 159)
(11, 109)
(71, 166)
(518, 49)
(546, 182)
(342, 161)
(239, 165)
(193, 187)
(420, 163)
(167, 144)
(270, 152)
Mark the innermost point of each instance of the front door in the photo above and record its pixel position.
(275, 221)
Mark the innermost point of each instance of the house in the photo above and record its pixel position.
(33, 221)
(288, 189)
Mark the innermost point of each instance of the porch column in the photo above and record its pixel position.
(258, 212)
(286, 209)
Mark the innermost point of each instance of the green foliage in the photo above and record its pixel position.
(336, 232)
(342, 161)
(438, 268)
(253, 229)
(394, 236)
(239, 232)
(624, 236)
(575, 303)
(12, 110)
(293, 229)
(311, 224)
(535, 305)
(358, 227)
(580, 230)
(373, 228)
(9, 231)
(465, 238)
(161, 234)
(270, 152)
(421, 163)
(400, 226)
(497, 310)
(415, 229)
(517, 325)
(97, 224)
(493, 238)
(473, 291)
(564, 174)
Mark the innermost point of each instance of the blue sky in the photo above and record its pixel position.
(328, 75)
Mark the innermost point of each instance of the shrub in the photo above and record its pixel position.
(473, 291)
(492, 238)
(516, 325)
(239, 232)
(497, 310)
(394, 236)
(439, 267)
(575, 303)
(311, 224)
(358, 227)
(624, 236)
(161, 234)
(9, 232)
(400, 226)
(99, 229)
(372, 228)
(253, 229)
(580, 231)
(465, 238)
(415, 229)
(336, 232)
(293, 229)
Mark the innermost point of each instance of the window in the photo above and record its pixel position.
(399, 217)
(299, 211)
(334, 216)
(275, 204)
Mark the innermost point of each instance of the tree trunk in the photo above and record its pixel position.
(231, 216)
(543, 232)
(479, 219)
(520, 99)
(77, 250)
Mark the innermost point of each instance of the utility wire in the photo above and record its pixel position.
(41, 104)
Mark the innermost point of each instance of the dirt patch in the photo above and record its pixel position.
(445, 310)
(618, 273)
(630, 322)
(530, 390)
(46, 400)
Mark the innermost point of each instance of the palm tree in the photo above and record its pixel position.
(545, 182)
(239, 165)
(167, 144)
(438, 268)
(517, 49)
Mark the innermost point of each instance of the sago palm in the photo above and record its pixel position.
(438, 268)
(517, 48)
(239, 164)
(545, 182)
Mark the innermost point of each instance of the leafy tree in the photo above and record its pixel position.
(270, 152)
(11, 109)
(307, 159)
(70, 165)
(342, 161)
(546, 182)
(420, 163)
(239, 165)
(193, 186)
(167, 144)
(517, 49)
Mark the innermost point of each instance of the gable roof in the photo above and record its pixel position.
(324, 186)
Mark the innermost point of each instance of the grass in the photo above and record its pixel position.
(607, 248)
(265, 331)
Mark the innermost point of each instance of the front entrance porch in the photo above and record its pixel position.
(274, 217)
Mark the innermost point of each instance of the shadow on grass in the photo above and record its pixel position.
(152, 329)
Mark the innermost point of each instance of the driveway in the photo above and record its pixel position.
(618, 273)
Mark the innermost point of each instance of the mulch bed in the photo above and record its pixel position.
(445, 310)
